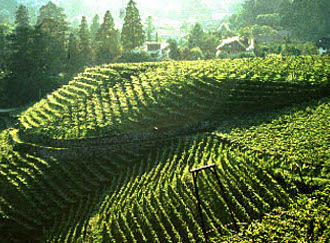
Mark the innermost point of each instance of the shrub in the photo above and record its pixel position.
(135, 57)
(196, 54)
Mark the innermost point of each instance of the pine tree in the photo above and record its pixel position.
(95, 26)
(53, 26)
(196, 36)
(21, 61)
(20, 43)
(73, 54)
(4, 29)
(174, 50)
(84, 43)
(132, 33)
(150, 28)
(2, 46)
(22, 17)
(108, 41)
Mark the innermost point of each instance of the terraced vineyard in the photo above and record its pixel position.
(113, 100)
(296, 139)
(156, 201)
(153, 188)
(107, 157)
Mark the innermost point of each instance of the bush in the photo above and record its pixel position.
(308, 48)
(246, 55)
(265, 50)
(290, 50)
(135, 57)
(195, 54)
(306, 221)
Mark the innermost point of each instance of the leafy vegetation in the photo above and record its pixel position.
(305, 221)
(145, 189)
(123, 98)
(107, 157)
(295, 139)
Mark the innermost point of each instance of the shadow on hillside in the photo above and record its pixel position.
(46, 197)
(255, 119)
(59, 196)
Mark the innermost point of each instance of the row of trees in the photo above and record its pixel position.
(199, 44)
(305, 20)
(37, 59)
(281, 27)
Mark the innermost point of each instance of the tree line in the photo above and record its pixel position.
(36, 59)
(286, 27)
(305, 20)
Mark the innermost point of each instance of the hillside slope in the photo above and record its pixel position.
(146, 194)
(123, 99)
(121, 172)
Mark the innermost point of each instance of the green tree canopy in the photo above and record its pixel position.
(132, 35)
(108, 41)
(21, 61)
(196, 36)
(303, 20)
(21, 44)
(150, 28)
(84, 43)
(195, 54)
(174, 50)
(309, 20)
(73, 54)
(95, 26)
(52, 29)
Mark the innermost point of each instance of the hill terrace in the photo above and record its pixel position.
(107, 156)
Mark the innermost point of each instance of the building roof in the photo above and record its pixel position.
(236, 43)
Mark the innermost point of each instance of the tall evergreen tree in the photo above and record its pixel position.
(53, 26)
(108, 41)
(84, 43)
(196, 36)
(132, 34)
(73, 54)
(3, 46)
(95, 26)
(150, 28)
(20, 43)
(22, 17)
(21, 61)
(174, 50)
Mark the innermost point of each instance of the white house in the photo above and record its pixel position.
(236, 45)
(157, 50)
